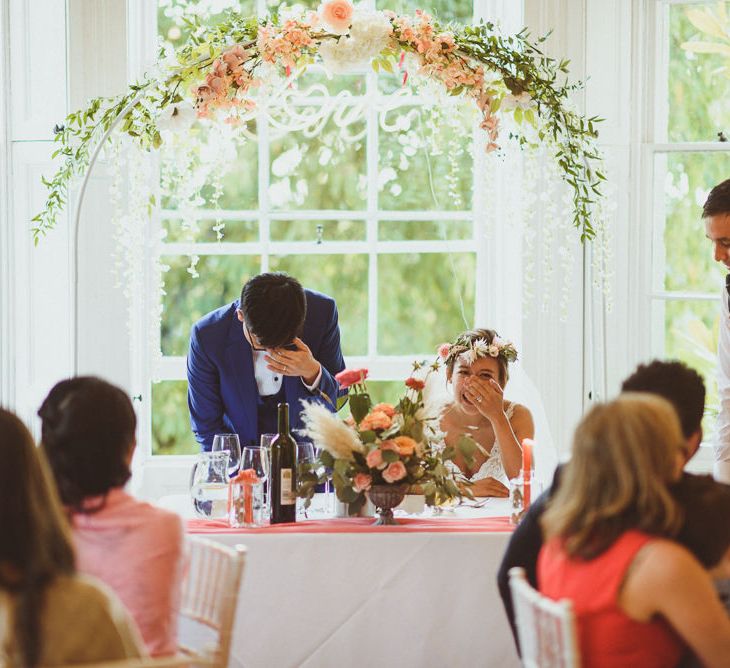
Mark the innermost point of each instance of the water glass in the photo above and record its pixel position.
(266, 440)
(305, 458)
(523, 490)
(230, 444)
(255, 458)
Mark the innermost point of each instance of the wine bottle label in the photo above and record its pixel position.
(288, 497)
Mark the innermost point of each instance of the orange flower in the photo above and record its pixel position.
(415, 383)
(406, 445)
(388, 409)
(375, 421)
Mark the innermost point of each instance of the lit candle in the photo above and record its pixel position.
(527, 445)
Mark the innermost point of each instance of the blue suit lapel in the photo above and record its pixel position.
(240, 365)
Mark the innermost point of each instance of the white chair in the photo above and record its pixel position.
(209, 599)
(545, 628)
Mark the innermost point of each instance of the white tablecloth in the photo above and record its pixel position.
(373, 599)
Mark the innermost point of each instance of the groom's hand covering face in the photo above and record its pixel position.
(298, 361)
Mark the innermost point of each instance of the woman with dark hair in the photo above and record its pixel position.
(477, 365)
(87, 433)
(40, 591)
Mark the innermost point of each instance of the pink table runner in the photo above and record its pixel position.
(365, 525)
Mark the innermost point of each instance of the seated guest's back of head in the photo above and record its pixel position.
(631, 589)
(88, 428)
(39, 589)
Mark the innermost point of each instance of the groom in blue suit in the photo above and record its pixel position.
(279, 342)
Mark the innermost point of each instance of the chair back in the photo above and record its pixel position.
(210, 595)
(545, 628)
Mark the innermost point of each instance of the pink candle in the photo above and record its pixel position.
(527, 445)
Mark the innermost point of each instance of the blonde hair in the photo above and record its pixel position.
(625, 452)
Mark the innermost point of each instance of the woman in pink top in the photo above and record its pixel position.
(88, 431)
(638, 598)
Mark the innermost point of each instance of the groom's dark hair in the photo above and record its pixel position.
(274, 308)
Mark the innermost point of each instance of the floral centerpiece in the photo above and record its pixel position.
(381, 450)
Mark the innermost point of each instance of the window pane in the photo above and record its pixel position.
(343, 277)
(171, 433)
(687, 259)
(327, 171)
(317, 76)
(172, 29)
(318, 230)
(418, 300)
(444, 10)
(229, 179)
(425, 162)
(186, 299)
(691, 335)
(698, 86)
(424, 230)
(232, 230)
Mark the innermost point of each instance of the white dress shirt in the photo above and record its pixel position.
(722, 442)
(269, 382)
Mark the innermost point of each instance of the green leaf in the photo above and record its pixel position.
(390, 456)
(326, 458)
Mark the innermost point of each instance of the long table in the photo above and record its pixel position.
(343, 593)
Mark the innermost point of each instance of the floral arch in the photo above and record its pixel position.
(231, 71)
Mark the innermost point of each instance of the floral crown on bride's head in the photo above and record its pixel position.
(473, 349)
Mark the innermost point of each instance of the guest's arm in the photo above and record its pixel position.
(204, 398)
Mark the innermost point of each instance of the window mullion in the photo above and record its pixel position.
(372, 214)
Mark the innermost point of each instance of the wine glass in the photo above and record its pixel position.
(328, 506)
(231, 444)
(305, 455)
(255, 458)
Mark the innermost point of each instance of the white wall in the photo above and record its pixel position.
(57, 55)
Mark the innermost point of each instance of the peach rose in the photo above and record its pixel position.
(395, 472)
(336, 15)
(444, 350)
(361, 482)
(388, 409)
(374, 421)
(389, 445)
(375, 459)
(406, 445)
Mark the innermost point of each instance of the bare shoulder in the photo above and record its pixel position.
(520, 414)
(662, 560)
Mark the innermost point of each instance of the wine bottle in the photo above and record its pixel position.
(283, 472)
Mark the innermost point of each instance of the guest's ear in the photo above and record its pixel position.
(693, 443)
(130, 454)
(239, 313)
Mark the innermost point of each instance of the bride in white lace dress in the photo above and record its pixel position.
(477, 366)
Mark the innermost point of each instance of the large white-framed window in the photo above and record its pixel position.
(684, 157)
(397, 237)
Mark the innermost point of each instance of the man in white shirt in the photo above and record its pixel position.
(716, 214)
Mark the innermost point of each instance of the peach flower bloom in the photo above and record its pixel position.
(389, 445)
(395, 472)
(444, 350)
(375, 421)
(388, 409)
(336, 15)
(361, 482)
(374, 459)
(406, 445)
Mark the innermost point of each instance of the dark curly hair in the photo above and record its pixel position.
(679, 384)
(87, 432)
(274, 307)
(471, 335)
